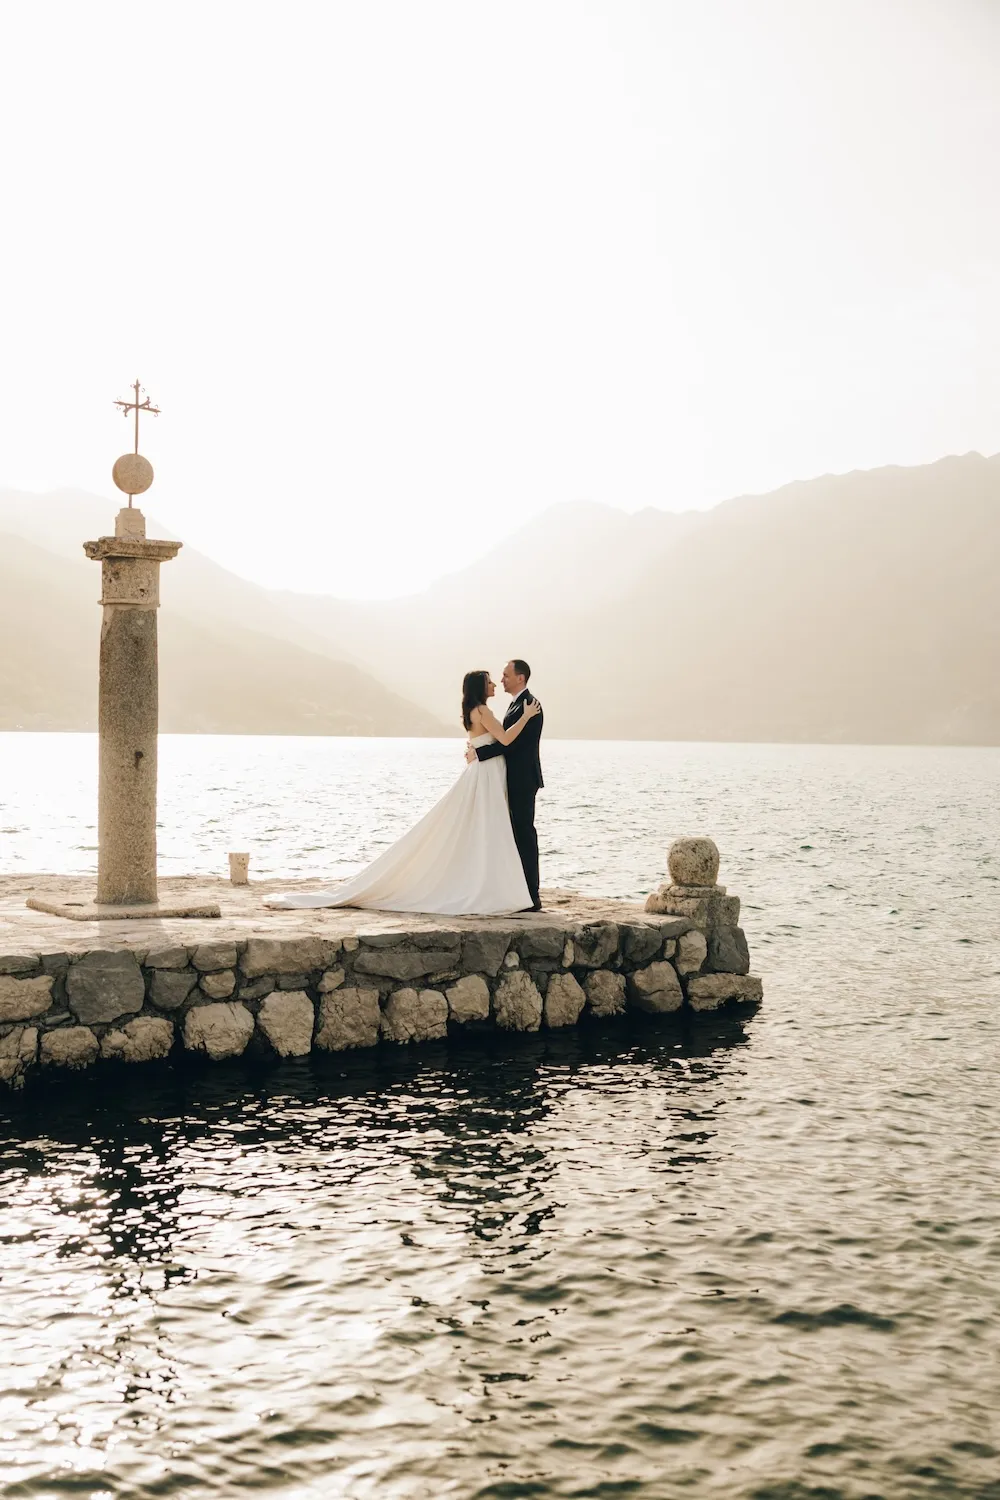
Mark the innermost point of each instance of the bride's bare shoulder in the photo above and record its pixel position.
(482, 719)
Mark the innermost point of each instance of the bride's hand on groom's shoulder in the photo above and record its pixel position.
(532, 709)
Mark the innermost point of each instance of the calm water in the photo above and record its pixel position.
(755, 1261)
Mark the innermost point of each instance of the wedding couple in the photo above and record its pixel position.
(476, 852)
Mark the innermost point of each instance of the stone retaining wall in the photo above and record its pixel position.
(284, 997)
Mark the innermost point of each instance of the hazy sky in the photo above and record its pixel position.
(403, 274)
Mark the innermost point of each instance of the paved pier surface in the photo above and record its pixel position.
(244, 915)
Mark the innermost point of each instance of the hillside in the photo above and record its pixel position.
(856, 608)
(216, 676)
(860, 607)
(532, 596)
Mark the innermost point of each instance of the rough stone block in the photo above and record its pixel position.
(350, 944)
(725, 910)
(595, 945)
(567, 955)
(20, 999)
(101, 986)
(695, 910)
(692, 950)
(511, 960)
(693, 862)
(709, 991)
(169, 988)
(605, 993)
(221, 1029)
(141, 1040)
(56, 964)
(19, 963)
(292, 982)
(210, 957)
(564, 1000)
(218, 986)
(415, 1016)
(670, 926)
(348, 1018)
(469, 999)
(483, 952)
(331, 980)
(402, 963)
(656, 989)
(641, 941)
(299, 955)
(702, 908)
(541, 942)
(167, 958)
(18, 1050)
(286, 1019)
(727, 951)
(256, 989)
(441, 941)
(517, 1003)
(70, 1047)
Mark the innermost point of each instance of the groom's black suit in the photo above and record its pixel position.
(524, 778)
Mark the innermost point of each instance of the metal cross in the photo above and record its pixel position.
(137, 406)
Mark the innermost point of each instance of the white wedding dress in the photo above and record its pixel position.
(460, 859)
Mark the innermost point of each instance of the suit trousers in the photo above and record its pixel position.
(522, 821)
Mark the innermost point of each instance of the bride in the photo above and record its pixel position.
(461, 857)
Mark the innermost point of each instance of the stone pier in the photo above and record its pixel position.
(284, 984)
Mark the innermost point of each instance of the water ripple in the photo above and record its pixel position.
(756, 1262)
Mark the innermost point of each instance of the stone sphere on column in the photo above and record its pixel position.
(132, 473)
(693, 862)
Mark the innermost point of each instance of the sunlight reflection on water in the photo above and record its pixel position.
(731, 1262)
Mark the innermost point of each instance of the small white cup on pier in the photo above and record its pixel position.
(239, 869)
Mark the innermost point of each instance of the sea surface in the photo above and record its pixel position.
(756, 1259)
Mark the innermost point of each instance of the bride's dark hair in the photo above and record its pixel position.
(473, 694)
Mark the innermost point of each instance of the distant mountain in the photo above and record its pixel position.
(862, 607)
(192, 585)
(859, 608)
(217, 675)
(533, 595)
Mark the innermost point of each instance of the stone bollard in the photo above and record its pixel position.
(239, 869)
(692, 891)
(693, 864)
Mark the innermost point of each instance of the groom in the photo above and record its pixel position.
(524, 771)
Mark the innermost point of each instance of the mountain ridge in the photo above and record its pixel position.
(812, 582)
(858, 607)
(216, 675)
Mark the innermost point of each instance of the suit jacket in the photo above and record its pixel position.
(524, 763)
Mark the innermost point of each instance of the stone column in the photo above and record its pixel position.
(128, 709)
